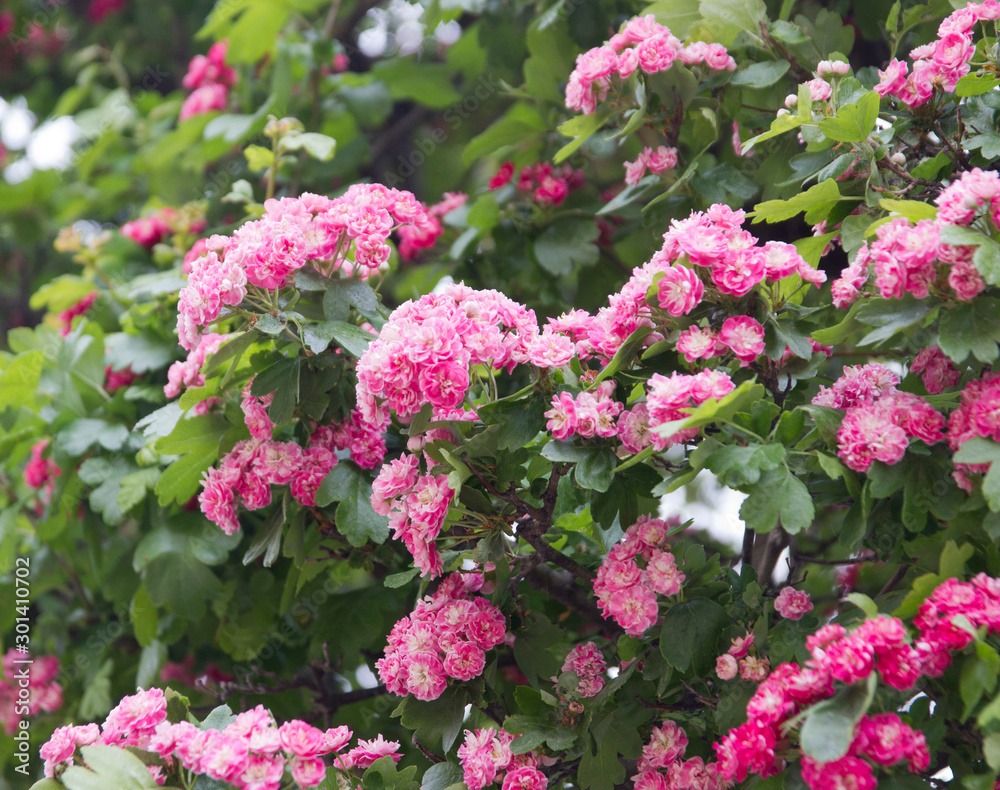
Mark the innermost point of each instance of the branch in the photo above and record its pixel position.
(562, 587)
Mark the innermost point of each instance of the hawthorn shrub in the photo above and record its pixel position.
(337, 456)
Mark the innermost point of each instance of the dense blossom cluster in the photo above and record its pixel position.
(725, 261)
(655, 161)
(880, 420)
(642, 45)
(662, 766)
(417, 506)
(879, 645)
(588, 414)
(547, 185)
(348, 234)
(250, 753)
(935, 369)
(424, 352)
(245, 475)
(187, 374)
(738, 660)
(588, 664)
(940, 64)
(916, 259)
(978, 414)
(486, 757)
(30, 693)
(209, 80)
(669, 399)
(634, 572)
(414, 238)
(445, 636)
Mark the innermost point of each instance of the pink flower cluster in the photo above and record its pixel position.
(348, 234)
(643, 44)
(445, 636)
(417, 506)
(248, 471)
(940, 64)
(977, 601)
(66, 316)
(486, 754)
(588, 664)
(738, 661)
(669, 399)
(912, 258)
(549, 186)
(413, 239)
(879, 644)
(424, 351)
(209, 80)
(39, 471)
(589, 414)
(655, 161)
(251, 753)
(27, 689)
(663, 767)
(626, 590)
(714, 240)
(937, 371)
(978, 414)
(187, 374)
(792, 604)
(880, 419)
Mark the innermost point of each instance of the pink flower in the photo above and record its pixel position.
(302, 740)
(744, 336)
(367, 752)
(526, 778)
(204, 99)
(792, 604)
(562, 420)
(679, 290)
(726, 667)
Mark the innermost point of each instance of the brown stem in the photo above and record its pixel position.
(896, 578)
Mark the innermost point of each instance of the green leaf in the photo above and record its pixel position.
(142, 352)
(145, 620)
(580, 129)
(689, 638)
(80, 435)
(352, 339)
(779, 497)
(519, 124)
(829, 725)
(194, 434)
(181, 584)
(817, 202)
(401, 579)
(678, 15)
(987, 261)
(913, 210)
(987, 144)
(712, 410)
(974, 85)
(267, 541)
(596, 469)
(953, 559)
(441, 776)
(258, 158)
(427, 83)
(318, 146)
(971, 328)
(780, 125)
(726, 19)
(521, 420)
(356, 519)
(991, 750)
(864, 603)
(739, 467)
(761, 75)
(218, 718)
(853, 122)
(435, 722)
(566, 245)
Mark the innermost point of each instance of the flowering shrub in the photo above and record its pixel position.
(385, 419)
